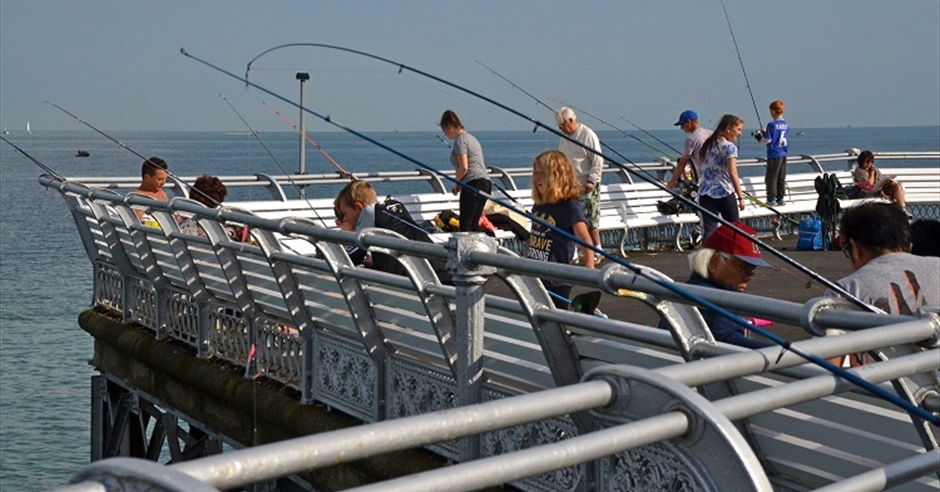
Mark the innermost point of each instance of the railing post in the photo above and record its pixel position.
(468, 280)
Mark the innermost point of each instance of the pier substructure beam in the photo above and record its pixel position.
(468, 280)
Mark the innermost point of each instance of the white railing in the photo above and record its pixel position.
(506, 362)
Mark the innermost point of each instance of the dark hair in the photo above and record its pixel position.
(925, 237)
(864, 156)
(150, 166)
(877, 226)
(726, 122)
(208, 190)
(450, 120)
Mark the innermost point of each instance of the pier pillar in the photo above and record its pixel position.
(468, 280)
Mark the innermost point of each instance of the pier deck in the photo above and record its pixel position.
(783, 282)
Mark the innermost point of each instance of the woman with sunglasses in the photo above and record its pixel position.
(872, 183)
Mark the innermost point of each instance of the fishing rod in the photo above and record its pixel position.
(276, 161)
(641, 173)
(132, 151)
(653, 136)
(342, 171)
(622, 132)
(741, 61)
(517, 87)
(608, 147)
(42, 166)
(666, 284)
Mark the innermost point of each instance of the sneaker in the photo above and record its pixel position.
(598, 258)
(781, 202)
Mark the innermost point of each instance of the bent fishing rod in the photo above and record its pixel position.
(132, 151)
(741, 61)
(276, 161)
(669, 285)
(343, 172)
(641, 173)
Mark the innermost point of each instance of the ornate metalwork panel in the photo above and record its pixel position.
(109, 287)
(279, 352)
(652, 468)
(144, 300)
(345, 377)
(414, 389)
(228, 334)
(183, 323)
(531, 435)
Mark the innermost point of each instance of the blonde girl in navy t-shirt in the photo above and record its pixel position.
(556, 191)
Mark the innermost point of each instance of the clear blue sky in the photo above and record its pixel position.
(117, 65)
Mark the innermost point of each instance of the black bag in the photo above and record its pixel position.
(672, 207)
(392, 215)
(447, 221)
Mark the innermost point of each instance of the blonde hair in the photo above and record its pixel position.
(355, 191)
(559, 182)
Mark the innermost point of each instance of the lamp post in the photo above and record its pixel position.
(302, 77)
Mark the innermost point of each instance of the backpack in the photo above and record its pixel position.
(392, 215)
(810, 234)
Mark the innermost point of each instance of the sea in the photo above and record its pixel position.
(46, 278)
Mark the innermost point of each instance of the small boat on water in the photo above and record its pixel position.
(82, 153)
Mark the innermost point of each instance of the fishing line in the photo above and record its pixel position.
(42, 166)
(517, 87)
(657, 149)
(669, 285)
(276, 161)
(641, 173)
(132, 151)
(608, 147)
(653, 136)
(741, 61)
(624, 133)
(343, 172)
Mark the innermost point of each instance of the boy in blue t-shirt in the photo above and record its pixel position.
(775, 138)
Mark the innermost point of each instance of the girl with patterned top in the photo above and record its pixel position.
(719, 186)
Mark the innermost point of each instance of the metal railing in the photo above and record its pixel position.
(499, 363)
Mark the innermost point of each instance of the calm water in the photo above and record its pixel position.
(45, 278)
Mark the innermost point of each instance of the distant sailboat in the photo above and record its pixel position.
(27, 129)
(5, 131)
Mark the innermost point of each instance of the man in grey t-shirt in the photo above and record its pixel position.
(885, 275)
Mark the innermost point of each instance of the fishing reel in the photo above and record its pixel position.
(758, 135)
